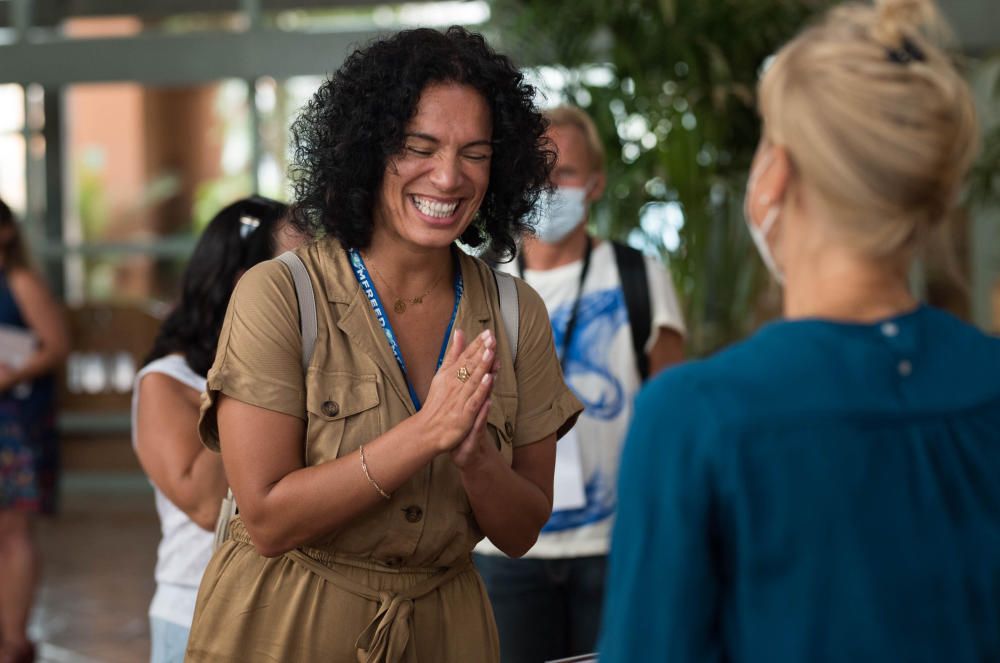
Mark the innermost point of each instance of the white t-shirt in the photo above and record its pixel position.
(601, 370)
(184, 548)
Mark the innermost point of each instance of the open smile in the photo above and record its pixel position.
(435, 210)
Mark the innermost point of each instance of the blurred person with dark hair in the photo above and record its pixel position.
(188, 480)
(365, 477)
(828, 490)
(34, 342)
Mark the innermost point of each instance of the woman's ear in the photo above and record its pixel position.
(771, 176)
(599, 180)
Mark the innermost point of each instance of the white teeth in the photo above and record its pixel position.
(434, 208)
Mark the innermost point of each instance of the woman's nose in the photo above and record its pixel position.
(447, 173)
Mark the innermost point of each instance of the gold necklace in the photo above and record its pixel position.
(399, 306)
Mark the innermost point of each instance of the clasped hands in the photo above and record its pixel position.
(458, 402)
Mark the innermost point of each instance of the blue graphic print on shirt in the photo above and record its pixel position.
(600, 317)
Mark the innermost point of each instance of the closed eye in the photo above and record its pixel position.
(418, 152)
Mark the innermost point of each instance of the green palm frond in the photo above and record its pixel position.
(678, 122)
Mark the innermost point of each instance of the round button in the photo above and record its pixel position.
(890, 329)
(509, 428)
(330, 408)
(904, 367)
(413, 513)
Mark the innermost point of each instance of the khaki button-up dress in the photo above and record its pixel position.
(396, 584)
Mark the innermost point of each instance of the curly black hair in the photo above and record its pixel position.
(229, 246)
(356, 123)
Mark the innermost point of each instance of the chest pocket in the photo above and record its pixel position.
(343, 413)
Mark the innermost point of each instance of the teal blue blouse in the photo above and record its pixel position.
(819, 492)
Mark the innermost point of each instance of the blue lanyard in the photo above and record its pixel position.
(368, 286)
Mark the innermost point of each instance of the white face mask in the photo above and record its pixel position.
(559, 212)
(759, 233)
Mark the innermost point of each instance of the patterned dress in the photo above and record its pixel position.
(29, 449)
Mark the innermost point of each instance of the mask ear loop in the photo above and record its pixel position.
(772, 215)
(590, 185)
(770, 218)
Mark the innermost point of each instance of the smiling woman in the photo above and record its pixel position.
(360, 120)
(368, 469)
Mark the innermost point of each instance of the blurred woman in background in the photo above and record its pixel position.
(828, 489)
(33, 342)
(188, 479)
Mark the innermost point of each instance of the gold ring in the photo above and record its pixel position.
(463, 374)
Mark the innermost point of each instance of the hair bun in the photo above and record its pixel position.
(897, 20)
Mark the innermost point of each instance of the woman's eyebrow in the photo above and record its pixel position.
(421, 136)
(431, 139)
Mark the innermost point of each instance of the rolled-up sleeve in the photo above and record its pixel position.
(258, 359)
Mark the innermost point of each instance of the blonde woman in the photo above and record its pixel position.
(828, 489)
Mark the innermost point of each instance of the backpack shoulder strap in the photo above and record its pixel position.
(509, 308)
(307, 304)
(307, 325)
(635, 287)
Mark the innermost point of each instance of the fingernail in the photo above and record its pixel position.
(485, 335)
(486, 355)
(487, 378)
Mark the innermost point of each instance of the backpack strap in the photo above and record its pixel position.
(307, 304)
(509, 308)
(308, 326)
(635, 287)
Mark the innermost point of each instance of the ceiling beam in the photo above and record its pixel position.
(52, 12)
(175, 59)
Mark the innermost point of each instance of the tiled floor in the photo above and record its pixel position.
(98, 558)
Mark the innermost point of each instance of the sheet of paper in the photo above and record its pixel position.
(16, 345)
(568, 491)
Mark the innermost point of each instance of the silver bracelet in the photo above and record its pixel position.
(364, 468)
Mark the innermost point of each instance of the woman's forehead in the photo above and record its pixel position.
(452, 111)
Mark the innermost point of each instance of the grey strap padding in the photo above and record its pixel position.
(307, 325)
(307, 304)
(509, 308)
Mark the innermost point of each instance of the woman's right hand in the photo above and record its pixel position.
(450, 409)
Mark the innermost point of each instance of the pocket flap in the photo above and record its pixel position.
(332, 395)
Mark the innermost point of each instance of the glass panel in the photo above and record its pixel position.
(36, 107)
(278, 104)
(134, 278)
(11, 108)
(147, 167)
(12, 163)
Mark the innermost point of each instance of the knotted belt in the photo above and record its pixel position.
(385, 638)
